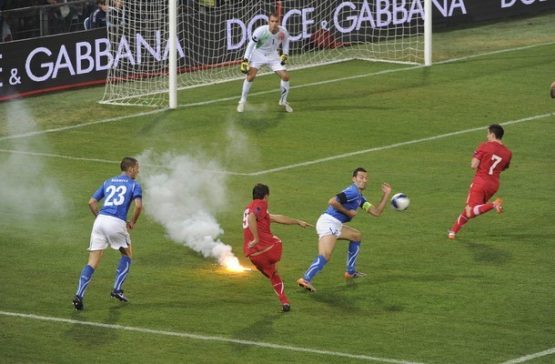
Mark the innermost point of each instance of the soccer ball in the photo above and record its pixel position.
(400, 202)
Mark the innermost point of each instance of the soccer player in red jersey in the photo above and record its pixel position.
(259, 244)
(489, 160)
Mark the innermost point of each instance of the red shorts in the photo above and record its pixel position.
(266, 262)
(479, 194)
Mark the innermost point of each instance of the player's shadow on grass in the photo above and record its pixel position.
(341, 297)
(483, 253)
(93, 336)
(260, 117)
(256, 331)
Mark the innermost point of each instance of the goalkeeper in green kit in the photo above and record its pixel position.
(263, 50)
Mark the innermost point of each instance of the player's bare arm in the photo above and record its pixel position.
(93, 206)
(474, 163)
(377, 210)
(136, 213)
(286, 220)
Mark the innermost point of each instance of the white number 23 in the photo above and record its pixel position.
(116, 195)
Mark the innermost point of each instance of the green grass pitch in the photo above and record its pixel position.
(488, 297)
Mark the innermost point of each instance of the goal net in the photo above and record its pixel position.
(211, 38)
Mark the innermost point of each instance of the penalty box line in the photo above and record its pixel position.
(206, 338)
(311, 84)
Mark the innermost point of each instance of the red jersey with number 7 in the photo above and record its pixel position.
(494, 158)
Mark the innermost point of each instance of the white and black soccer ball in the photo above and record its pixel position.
(400, 201)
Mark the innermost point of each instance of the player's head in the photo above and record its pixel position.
(496, 130)
(359, 169)
(102, 4)
(273, 22)
(360, 178)
(130, 166)
(260, 191)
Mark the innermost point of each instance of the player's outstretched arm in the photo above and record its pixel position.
(286, 220)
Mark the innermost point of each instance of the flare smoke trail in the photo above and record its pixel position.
(25, 188)
(181, 195)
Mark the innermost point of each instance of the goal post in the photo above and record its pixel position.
(172, 54)
(427, 32)
(161, 46)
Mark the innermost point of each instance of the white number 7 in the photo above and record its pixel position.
(497, 159)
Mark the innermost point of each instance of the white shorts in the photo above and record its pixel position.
(271, 60)
(328, 225)
(109, 230)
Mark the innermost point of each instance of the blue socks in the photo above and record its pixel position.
(352, 255)
(84, 279)
(122, 272)
(87, 272)
(316, 266)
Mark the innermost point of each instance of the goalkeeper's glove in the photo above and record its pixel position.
(283, 58)
(245, 66)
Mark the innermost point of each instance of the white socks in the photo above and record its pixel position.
(284, 91)
(246, 88)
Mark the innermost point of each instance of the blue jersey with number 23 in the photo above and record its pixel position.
(118, 193)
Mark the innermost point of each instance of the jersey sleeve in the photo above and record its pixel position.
(285, 44)
(252, 42)
(341, 197)
(99, 193)
(479, 152)
(137, 191)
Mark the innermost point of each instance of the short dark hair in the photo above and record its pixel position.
(127, 163)
(497, 130)
(359, 169)
(273, 14)
(260, 191)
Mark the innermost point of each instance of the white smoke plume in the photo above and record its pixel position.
(26, 189)
(181, 193)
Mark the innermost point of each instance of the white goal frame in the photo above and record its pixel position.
(172, 67)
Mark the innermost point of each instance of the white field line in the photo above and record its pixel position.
(529, 357)
(68, 157)
(77, 126)
(225, 99)
(306, 163)
(207, 338)
(396, 145)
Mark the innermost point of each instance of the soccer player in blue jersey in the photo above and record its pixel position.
(111, 226)
(331, 227)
